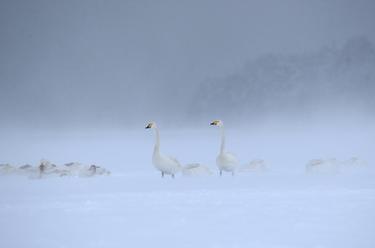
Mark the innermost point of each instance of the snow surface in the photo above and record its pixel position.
(135, 207)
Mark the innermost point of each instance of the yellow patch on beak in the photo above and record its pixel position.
(215, 123)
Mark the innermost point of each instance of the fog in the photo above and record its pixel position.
(293, 82)
(105, 64)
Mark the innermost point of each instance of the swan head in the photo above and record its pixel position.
(152, 124)
(218, 123)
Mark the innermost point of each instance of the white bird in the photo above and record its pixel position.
(196, 169)
(330, 165)
(354, 162)
(165, 164)
(225, 161)
(256, 165)
(7, 169)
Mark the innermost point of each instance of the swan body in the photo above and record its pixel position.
(354, 162)
(165, 164)
(7, 169)
(196, 170)
(256, 165)
(92, 170)
(26, 169)
(225, 161)
(330, 165)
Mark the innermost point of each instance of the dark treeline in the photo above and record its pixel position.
(336, 80)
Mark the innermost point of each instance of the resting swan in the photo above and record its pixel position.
(256, 165)
(330, 165)
(196, 169)
(165, 164)
(225, 161)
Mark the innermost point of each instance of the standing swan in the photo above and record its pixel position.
(225, 161)
(165, 164)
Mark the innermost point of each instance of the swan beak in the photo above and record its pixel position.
(148, 126)
(214, 123)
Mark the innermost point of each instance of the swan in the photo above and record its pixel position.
(330, 165)
(196, 169)
(165, 164)
(354, 162)
(225, 161)
(7, 169)
(256, 165)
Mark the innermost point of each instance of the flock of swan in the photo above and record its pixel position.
(227, 162)
(332, 165)
(167, 165)
(48, 169)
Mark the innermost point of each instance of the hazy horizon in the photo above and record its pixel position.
(109, 64)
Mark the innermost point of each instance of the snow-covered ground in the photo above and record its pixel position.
(134, 207)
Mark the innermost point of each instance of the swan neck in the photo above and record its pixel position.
(157, 141)
(222, 146)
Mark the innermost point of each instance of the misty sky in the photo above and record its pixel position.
(122, 62)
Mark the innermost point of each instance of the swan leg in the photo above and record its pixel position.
(172, 175)
(162, 174)
(232, 173)
(221, 172)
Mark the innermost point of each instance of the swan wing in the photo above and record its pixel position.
(230, 157)
(175, 160)
(192, 166)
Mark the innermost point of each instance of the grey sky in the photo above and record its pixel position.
(99, 62)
